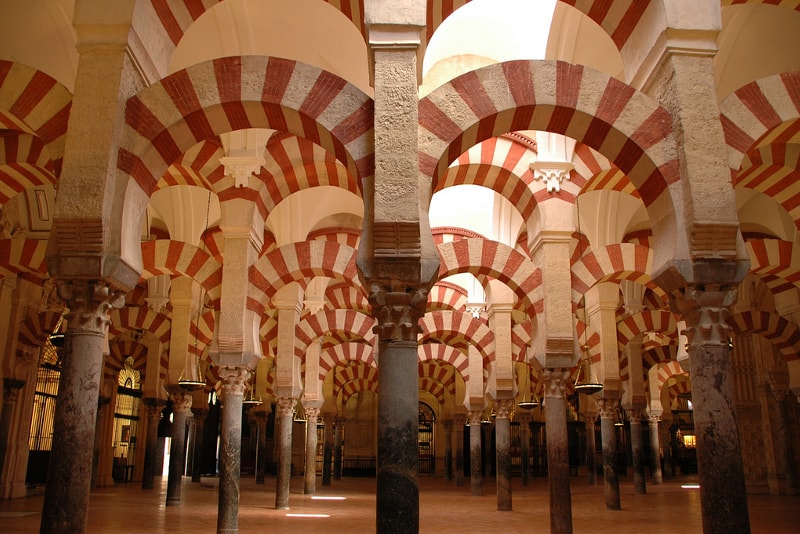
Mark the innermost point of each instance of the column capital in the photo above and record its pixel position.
(555, 382)
(459, 420)
(607, 407)
(475, 417)
(447, 425)
(524, 417)
(284, 406)
(635, 415)
(397, 312)
(181, 399)
(89, 303)
(503, 408)
(705, 310)
(234, 380)
(653, 419)
(312, 413)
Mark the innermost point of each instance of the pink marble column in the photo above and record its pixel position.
(153, 408)
(284, 412)
(608, 433)
(655, 450)
(475, 456)
(555, 410)
(234, 381)
(310, 472)
(181, 404)
(459, 422)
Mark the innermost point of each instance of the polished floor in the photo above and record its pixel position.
(670, 508)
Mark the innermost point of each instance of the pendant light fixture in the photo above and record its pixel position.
(585, 382)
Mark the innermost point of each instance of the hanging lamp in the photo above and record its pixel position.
(252, 398)
(533, 402)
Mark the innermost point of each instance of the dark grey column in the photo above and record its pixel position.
(723, 497)
(102, 409)
(591, 447)
(448, 449)
(199, 415)
(234, 381)
(338, 447)
(66, 498)
(782, 395)
(153, 407)
(502, 433)
(397, 506)
(524, 418)
(608, 434)
(310, 478)
(459, 422)
(11, 389)
(664, 437)
(181, 404)
(637, 450)
(327, 450)
(261, 453)
(488, 461)
(475, 456)
(284, 411)
(655, 449)
(555, 412)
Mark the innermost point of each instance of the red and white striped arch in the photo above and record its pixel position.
(447, 234)
(34, 103)
(34, 329)
(788, 4)
(139, 318)
(164, 256)
(434, 387)
(443, 374)
(201, 332)
(776, 262)
(521, 340)
(357, 326)
(119, 351)
(300, 262)
(24, 164)
(760, 113)
(445, 296)
(666, 371)
(458, 329)
(637, 324)
(445, 354)
(168, 118)
(679, 385)
(655, 355)
(782, 333)
(482, 257)
(619, 261)
(344, 353)
(351, 379)
(22, 255)
(628, 127)
(774, 170)
(346, 296)
(195, 167)
(344, 235)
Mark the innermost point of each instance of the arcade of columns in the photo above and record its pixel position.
(310, 321)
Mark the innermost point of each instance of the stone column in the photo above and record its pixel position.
(637, 449)
(327, 450)
(608, 434)
(338, 447)
(234, 381)
(503, 452)
(181, 404)
(99, 441)
(284, 412)
(591, 446)
(11, 388)
(784, 438)
(261, 454)
(475, 456)
(200, 415)
(66, 498)
(524, 418)
(555, 411)
(655, 450)
(458, 424)
(723, 496)
(447, 426)
(310, 479)
(153, 407)
(486, 463)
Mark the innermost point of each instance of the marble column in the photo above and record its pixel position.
(397, 506)
(261, 454)
(448, 449)
(655, 450)
(608, 434)
(502, 434)
(555, 411)
(524, 418)
(99, 440)
(458, 435)
(327, 450)
(234, 380)
(475, 455)
(153, 407)
(637, 450)
(11, 390)
(723, 497)
(488, 461)
(310, 478)
(66, 498)
(199, 415)
(284, 412)
(181, 405)
(338, 447)
(784, 437)
(591, 447)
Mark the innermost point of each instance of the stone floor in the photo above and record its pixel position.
(126, 508)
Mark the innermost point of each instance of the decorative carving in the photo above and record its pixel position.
(475, 417)
(555, 382)
(234, 380)
(552, 173)
(89, 304)
(397, 312)
(241, 168)
(503, 407)
(181, 399)
(11, 389)
(312, 414)
(607, 407)
(706, 310)
(635, 414)
(284, 406)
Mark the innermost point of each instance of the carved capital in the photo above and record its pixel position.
(11, 389)
(555, 382)
(312, 414)
(653, 420)
(635, 414)
(234, 380)
(284, 406)
(503, 407)
(607, 407)
(89, 303)
(181, 400)
(706, 310)
(397, 312)
(552, 173)
(475, 417)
